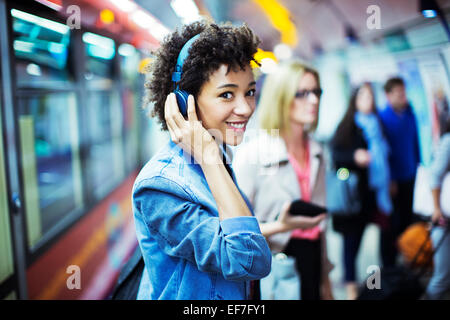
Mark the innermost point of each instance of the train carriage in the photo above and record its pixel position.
(72, 142)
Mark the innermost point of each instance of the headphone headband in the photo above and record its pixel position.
(184, 53)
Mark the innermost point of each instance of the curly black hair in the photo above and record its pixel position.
(218, 44)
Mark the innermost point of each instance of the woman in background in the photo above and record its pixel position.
(359, 145)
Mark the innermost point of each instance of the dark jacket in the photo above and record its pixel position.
(343, 156)
(402, 134)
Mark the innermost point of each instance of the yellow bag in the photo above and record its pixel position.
(415, 244)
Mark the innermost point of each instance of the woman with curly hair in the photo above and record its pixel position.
(196, 230)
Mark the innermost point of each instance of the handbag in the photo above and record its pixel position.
(414, 244)
(342, 194)
(283, 281)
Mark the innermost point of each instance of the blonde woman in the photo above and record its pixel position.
(284, 164)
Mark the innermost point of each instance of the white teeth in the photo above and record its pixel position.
(236, 125)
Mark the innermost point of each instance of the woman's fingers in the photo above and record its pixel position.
(284, 212)
(189, 134)
(321, 217)
(305, 222)
(192, 115)
(174, 129)
(173, 136)
(175, 132)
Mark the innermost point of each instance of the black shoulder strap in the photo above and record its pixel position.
(127, 285)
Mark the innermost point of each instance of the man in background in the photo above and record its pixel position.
(401, 131)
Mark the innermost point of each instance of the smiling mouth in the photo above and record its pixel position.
(237, 126)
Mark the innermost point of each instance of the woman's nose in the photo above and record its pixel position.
(313, 98)
(243, 108)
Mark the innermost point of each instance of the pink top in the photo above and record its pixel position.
(303, 176)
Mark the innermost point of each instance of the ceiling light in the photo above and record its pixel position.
(49, 24)
(146, 21)
(268, 65)
(186, 9)
(124, 5)
(428, 8)
(280, 17)
(429, 13)
(282, 51)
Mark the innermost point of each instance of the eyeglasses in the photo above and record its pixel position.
(305, 93)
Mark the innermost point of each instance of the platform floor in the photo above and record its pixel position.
(368, 255)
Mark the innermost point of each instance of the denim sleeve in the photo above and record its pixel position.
(182, 228)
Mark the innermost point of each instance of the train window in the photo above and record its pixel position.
(130, 101)
(129, 59)
(41, 49)
(105, 159)
(100, 52)
(50, 160)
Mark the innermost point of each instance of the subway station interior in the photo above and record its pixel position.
(75, 131)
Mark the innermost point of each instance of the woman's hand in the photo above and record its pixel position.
(189, 134)
(437, 217)
(362, 158)
(288, 222)
(393, 188)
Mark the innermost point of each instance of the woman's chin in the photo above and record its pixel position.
(233, 141)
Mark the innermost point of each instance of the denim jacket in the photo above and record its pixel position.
(188, 252)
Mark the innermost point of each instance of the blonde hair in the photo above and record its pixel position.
(277, 95)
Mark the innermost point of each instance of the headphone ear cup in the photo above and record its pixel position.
(182, 100)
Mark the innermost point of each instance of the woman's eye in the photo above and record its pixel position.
(251, 92)
(226, 95)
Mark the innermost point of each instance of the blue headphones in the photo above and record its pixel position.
(182, 96)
